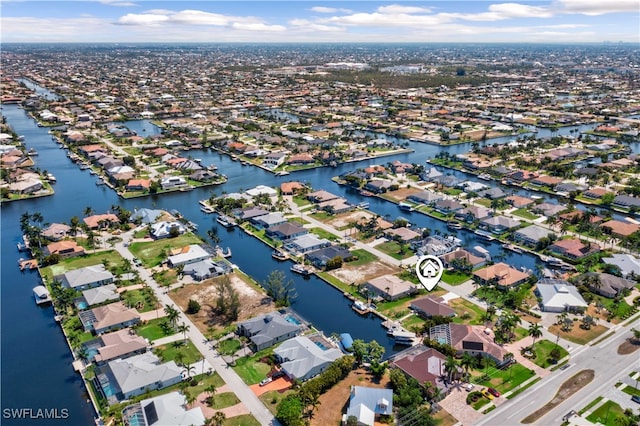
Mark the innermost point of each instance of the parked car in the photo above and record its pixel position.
(266, 381)
(468, 387)
(636, 398)
(486, 394)
(493, 392)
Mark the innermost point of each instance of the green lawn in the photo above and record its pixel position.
(153, 253)
(591, 404)
(143, 299)
(299, 220)
(413, 320)
(630, 390)
(525, 214)
(250, 369)
(170, 352)
(466, 312)
(152, 330)
(503, 380)
(542, 350)
(606, 414)
(300, 200)
(322, 216)
(112, 258)
(324, 234)
(345, 287)
(271, 399)
(204, 382)
(363, 257)
(242, 420)
(224, 400)
(454, 277)
(392, 248)
(229, 346)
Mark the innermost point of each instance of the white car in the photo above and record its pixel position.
(266, 381)
(468, 387)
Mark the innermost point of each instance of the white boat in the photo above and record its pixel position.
(403, 337)
(206, 209)
(300, 269)
(226, 221)
(32, 152)
(51, 178)
(512, 247)
(485, 234)
(279, 255)
(282, 173)
(452, 224)
(360, 307)
(405, 206)
(484, 176)
(41, 295)
(223, 253)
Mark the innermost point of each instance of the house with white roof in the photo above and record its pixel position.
(366, 404)
(163, 229)
(306, 243)
(98, 295)
(189, 254)
(167, 409)
(87, 277)
(559, 296)
(300, 358)
(628, 265)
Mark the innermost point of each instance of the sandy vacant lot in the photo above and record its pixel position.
(332, 403)
(252, 302)
(360, 274)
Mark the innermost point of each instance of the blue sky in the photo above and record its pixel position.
(542, 21)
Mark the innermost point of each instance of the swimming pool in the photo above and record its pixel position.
(82, 305)
(321, 346)
(293, 320)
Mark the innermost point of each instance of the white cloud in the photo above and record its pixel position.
(324, 9)
(499, 12)
(386, 20)
(395, 9)
(119, 3)
(598, 7)
(306, 25)
(197, 17)
(257, 26)
(143, 19)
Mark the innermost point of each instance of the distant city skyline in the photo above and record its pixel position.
(122, 21)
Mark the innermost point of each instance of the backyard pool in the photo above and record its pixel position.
(293, 320)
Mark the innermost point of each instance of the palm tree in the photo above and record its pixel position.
(88, 211)
(213, 235)
(172, 314)
(218, 419)
(184, 328)
(535, 331)
(451, 367)
(189, 369)
(467, 362)
(211, 389)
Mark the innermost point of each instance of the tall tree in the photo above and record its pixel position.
(535, 331)
(172, 314)
(281, 290)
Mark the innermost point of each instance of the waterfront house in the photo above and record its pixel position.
(423, 363)
(573, 248)
(173, 182)
(548, 209)
(606, 285)
(430, 306)
(249, 213)
(27, 186)
(138, 374)
(186, 255)
(499, 224)
(518, 201)
(262, 190)
(291, 188)
(99, 295)
(336, 206)
(492, 193)
(620, 229)
(628, 265)
(98, 221)
(319, 258)
(559, 296)
(368, 404)
(448, 259)
(144, 215)
(167, 409)
(321, 196)
(268, 220)
(471, 339)
(390, 287)
(595, 193)
(286, 231)
(425, 197)
(301, 359)
(274, 159)
(118, 344)
(138, 185)
(447, 206)
(403, 234)
(531, 235)
(626, 201)
(108, 317)
(64, 249)
(166, 229)
(378, 186)
(87, 277)
(435, 245)
(205, 269)
(56, 231)
(266, 330)
(472, 213)
(548, 181)
(501, 275)
(306, 243)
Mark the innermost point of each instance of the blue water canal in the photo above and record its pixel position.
(36, 362)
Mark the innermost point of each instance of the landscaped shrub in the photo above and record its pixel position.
(473, 397)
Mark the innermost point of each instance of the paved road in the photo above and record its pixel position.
(235, 383)
(609, 368)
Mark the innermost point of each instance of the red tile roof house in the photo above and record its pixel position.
(474, 340)
(430, 306)
(501, 275)
(548, 181)
(620, 229)
(573, 248)
(518, 201)
(138, 185)
(422, 363)
(64, 249)
(301, 159)
(290, 188)
(595, 193)
(94, 222)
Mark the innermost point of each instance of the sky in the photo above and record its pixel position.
(128, 21)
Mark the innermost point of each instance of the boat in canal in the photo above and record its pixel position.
(226, 221)
(360, 307)
(452, 224)
(346, 342)
(485, 235)
(512, 247)
(279, 255)
(301, 269)
(41, 295)
(405, 206)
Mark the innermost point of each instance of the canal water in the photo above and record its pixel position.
(36, 363)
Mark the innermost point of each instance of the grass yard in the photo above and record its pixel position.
(169, 352)
(413, 321)
(524, 213)
(362, 257)
(467, 312)
(322, 216)
(250, 369)
(242, 420)
(503, 380)
(143, 299)
(271, 399)
(392, 248)
(455, 277)
(166, 277)
(153, 330)
(298, 220)
(224, 400)
(579, 335)
(229, 346)
(607, 414)
(630, 390)
(344, 287)
(542, 350)
(111, 257)
(324, 234)
(153, 253)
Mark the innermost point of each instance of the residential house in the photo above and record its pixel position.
(27, 186)
(138, 185)
(56, 231)
(64, 249)
(628, 265)
(548, 181)
(473, 213)
(425, 197)
(501, 275)
(620, 229)
(499, 224)
(471, 339)
(492, 193)
(118, 344)
(268, 220)
(434, 245)
(321, 196)
(519, 202)
(390, 287)
(448, 206)
(166, 229)
(595, 193)
(172, 182)
(249, 213)
(286, 231)
(403, 234)
(266, 330)
(531, 235)
(274, 159)
(423, 363)
(167, 409)
(306, 243)
(205, 269)
(319, 258)
(139, 374)
(291, 188)
(573, 248)
(606, 285)
(87, 277)
(109, 317)
(368, 404)
(336, 206)
(559, 296)
(448, 259)
(431, 306)
(98, 295)
(145, 215)
(301, 359)
(259, 190)
(189, 254)
(101, 220)
(548, 209)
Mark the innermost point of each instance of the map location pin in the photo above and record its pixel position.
(429, 270)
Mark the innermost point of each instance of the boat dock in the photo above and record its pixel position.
(28, 264)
